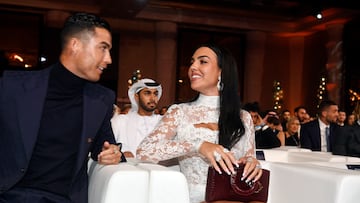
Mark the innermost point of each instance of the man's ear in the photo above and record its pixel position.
(324, 114)
(74, 44)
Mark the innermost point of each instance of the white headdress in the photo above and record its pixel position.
(138, 86)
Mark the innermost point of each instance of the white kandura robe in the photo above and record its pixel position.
(131, 128)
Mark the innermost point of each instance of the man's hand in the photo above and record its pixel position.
(110, 154)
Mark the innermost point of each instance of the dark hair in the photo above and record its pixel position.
(273, 120)
(253, 107)
(231, 127)
(82, 22)
(324, 105)
(298, 108)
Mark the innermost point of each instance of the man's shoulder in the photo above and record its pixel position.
(120, 117)
(310, 124)
(25, 79)
(23, 74)
(310, 127)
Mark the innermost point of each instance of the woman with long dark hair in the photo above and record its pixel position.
(211, 130)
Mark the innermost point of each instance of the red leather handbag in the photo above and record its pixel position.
(231, 188)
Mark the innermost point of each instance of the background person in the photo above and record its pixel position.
(270, 135)
(284, 118)
(291, 134)
(341, 118)
(131, 128)
(301, 113)
(314, 135)
(347, 140)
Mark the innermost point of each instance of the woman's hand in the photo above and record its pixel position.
(252, 169)
(218, 156)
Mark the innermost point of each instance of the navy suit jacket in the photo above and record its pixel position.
(347, 141)
(22, 97)
(310, 137)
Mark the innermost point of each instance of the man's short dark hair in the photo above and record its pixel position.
(298, 108)
(81, 22)
(273, 120)
(324, 105)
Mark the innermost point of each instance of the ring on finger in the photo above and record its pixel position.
(249, 159)
(258, 166)
(217, 156)
(225, 150)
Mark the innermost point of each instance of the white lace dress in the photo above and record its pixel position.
(176, 136)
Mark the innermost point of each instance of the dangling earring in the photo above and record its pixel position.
(220, 85)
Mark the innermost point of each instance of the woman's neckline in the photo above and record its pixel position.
(208, 101)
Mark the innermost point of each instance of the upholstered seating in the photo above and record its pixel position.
(118, 183)
(296, 176)
(136, 182)
(166, 185)
(299, 176)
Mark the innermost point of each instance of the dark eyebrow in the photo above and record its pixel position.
(149, 90)
(199, 57)
(106, 44)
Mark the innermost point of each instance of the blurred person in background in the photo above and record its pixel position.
(347, 140)
(291, 134)
(301, 113)
(271, 134)
(285, 116)
(319, 134)
(341, 118)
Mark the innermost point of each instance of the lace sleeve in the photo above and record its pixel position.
(246, 145)
(162, 144)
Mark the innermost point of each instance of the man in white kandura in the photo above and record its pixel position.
(131, 128)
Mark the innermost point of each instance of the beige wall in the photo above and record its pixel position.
(294, 61)
(151, 46)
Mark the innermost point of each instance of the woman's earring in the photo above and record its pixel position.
(220, 85)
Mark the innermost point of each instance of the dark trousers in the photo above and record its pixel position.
(28, 195)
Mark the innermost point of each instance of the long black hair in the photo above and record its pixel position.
(231, 127)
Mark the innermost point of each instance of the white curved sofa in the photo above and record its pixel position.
(296, 176)
(136, 182)
(300, 175)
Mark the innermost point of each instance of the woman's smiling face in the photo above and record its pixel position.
(204, 72)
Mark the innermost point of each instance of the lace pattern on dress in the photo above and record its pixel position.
(176, 136)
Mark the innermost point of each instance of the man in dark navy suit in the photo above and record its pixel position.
(347, 141)
(319, 134)
(51, 119)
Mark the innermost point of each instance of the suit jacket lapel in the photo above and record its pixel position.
(30, 104)
(318, 138)
(94, 112)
